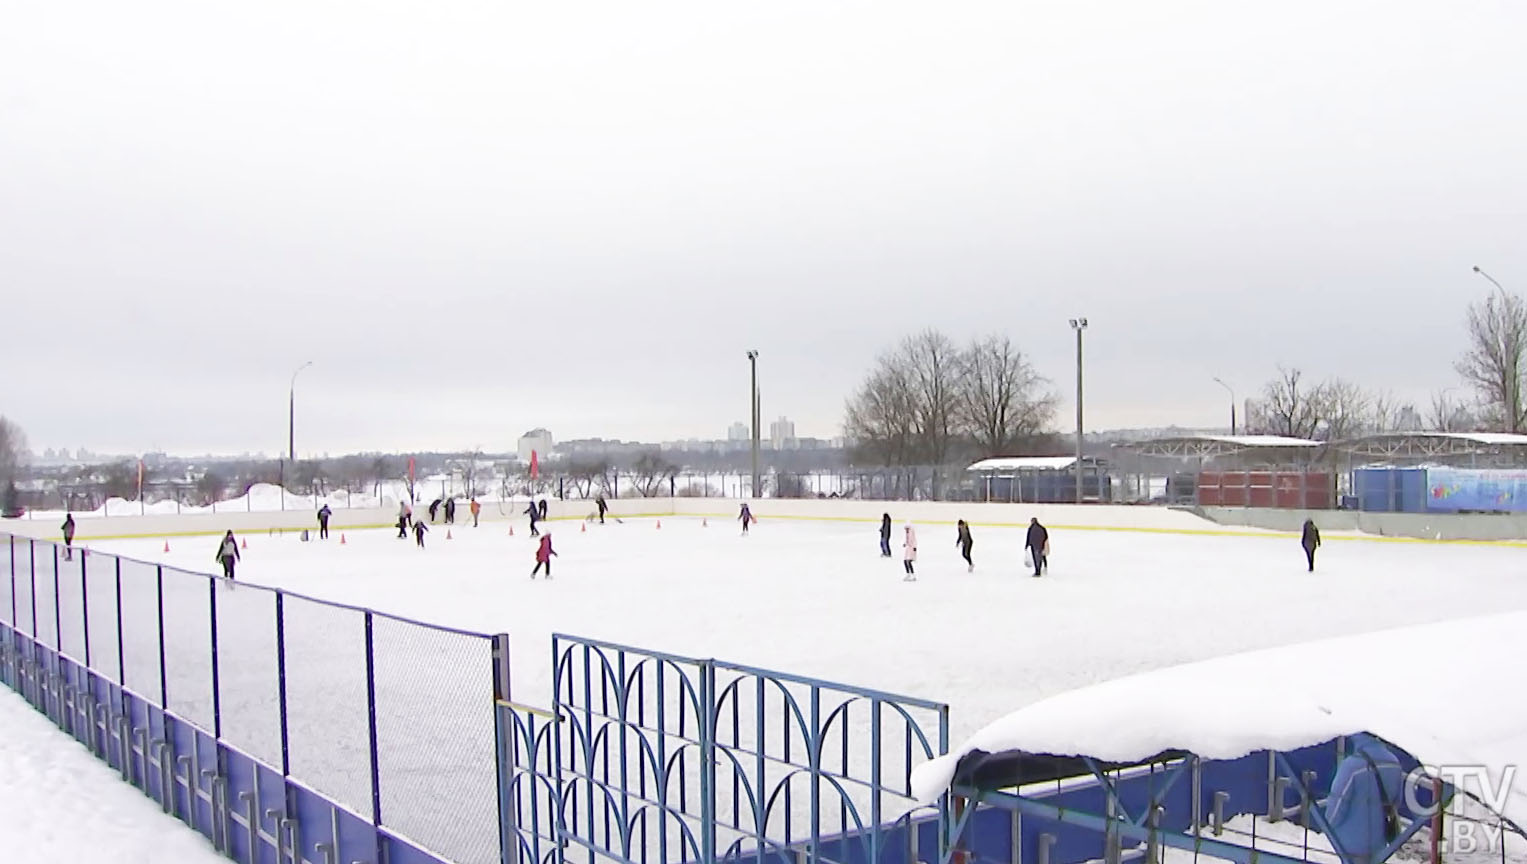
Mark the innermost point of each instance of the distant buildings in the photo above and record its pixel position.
(739, 432)
(782, 434)
(537, 441)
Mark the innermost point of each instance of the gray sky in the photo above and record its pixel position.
(481, 217)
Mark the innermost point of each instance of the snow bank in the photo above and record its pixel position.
(1443, 692)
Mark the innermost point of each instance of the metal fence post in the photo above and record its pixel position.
(217, 702)
(376, 782)
(707, 729)
(32, 575)
(508, 829)
(85, 607)
(164, 678)
(286, 757)
(121, 659)
(58, 615)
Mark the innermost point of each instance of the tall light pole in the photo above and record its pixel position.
(291, 421)
(1513, 380)
(753, 364)
(1078, 324)
(1231, 391)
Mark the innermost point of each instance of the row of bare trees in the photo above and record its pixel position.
(928, 400)
(1491, 370)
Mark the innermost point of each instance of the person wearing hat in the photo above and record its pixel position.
(543, 555)
(909, 552)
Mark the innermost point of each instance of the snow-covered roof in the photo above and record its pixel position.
(1444, 704)
(1260, 440)
(1021, 463)
(1492, 438)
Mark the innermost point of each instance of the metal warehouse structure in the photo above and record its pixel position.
(1233, 470)
(1042, 479)
(1457, 449)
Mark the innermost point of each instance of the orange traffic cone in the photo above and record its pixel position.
(246, 542)
(166, 547)
(341, 539)
(704, 523)
(659, 523)
(447, 533)
(584, 528)
(511, 530)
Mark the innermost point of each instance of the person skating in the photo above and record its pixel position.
(603, 507)
(450, 511)
(1310, 541)
(909, 553)
(544, 508)
(419, 529)
(885, 535)
(543, 555)
(323, 522)
(476, 508)
(404, 512)
(1037, 541)
(534, 513)
(964, 541)
(747, 518)
(434, 510)
(228, 554)
(68, 529)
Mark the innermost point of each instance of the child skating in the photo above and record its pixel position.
(543, 555)
(419, 529)
(909, 553)
(747, 519)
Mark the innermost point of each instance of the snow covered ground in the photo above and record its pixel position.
(816, 598)
(63, 805)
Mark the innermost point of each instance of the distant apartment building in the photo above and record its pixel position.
(536, 440)
(739, 432)
(782, 434)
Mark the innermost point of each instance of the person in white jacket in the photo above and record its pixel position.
(909, 552)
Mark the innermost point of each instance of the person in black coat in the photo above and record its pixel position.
(1037, 540)
(534, 513)
(323, 522)
(434, 509)
(885, 535)
(543, 509)
(450, 511)
(603, 507)
(964, 542)
(68, 528)
(1310, 541)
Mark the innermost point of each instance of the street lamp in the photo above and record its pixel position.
(1491, 278)
(291, 428)
(1231, 391)
(1078, 324)
(753, 364)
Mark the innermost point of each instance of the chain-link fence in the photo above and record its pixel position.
(391, 719)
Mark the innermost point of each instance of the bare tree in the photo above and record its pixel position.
(1343, 409)
(934, 365)
(1291, 407)
(1389, 414)
(1494, 363)
(653, 474)
(1001, 399)
(880, 418)
(13, 450)
(1449, 415)
(584, 473)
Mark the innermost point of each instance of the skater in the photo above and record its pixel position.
(1310, 541)
(450, 511)
(885, 535)
(323, 522)
(964, 541)
(228, 555)
(909, 553)
(603, 507)
(68, 528)
(534, 513)
(434, 510)
(543, 555)
(747, 518)
(543, 509)
(1037, 541)
(476, 508)
(402, 527)
(419, 529)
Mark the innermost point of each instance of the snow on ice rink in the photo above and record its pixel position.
(815, 598)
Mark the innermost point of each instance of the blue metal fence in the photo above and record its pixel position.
(284, 729)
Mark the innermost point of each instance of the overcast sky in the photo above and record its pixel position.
(476, 218)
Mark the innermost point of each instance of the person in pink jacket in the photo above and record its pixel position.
(543, 555)
(909, 552)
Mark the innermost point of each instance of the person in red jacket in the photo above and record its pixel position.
(543, 555)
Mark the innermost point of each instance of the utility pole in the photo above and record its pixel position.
(291, 428)
(753, 364)
(1078, 324)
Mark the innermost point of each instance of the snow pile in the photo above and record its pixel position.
(62, 805)
(1443, 692)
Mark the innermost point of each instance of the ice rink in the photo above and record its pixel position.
(815, 598)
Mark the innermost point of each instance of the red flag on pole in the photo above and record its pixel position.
(535, 465)
(140, 479)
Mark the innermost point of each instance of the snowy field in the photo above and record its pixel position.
(816, 599)
(65, 806)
